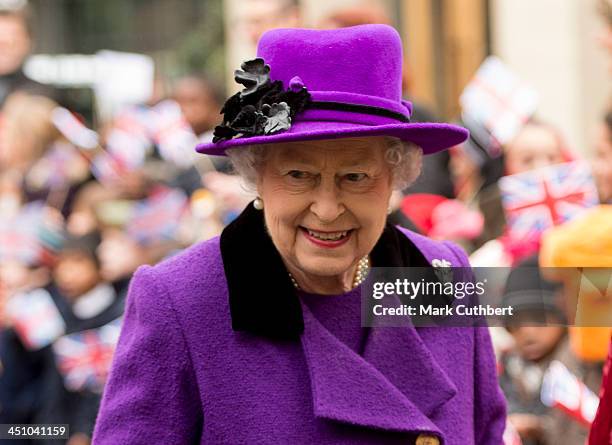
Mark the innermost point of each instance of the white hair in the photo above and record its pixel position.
(404, 158)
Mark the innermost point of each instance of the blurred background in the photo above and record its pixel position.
(551, 43)
(103, 102)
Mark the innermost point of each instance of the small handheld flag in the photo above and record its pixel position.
(546, 197)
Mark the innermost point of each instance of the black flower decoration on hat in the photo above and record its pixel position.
(254, 75)
(279, 118)
(262, 107)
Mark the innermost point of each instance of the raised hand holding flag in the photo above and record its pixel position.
(84, 358)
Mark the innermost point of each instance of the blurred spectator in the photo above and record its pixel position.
(36, 156)
(540, 339)
(137, 228)
(15, 45)
(78, 270)
(362, 14)
(257, 16)
(27, 131)
(120, 255)
(45, 382)
(200, 102)
(29, 241)
(537, 145)
(432, 213)
(602, 164)
(83, 217)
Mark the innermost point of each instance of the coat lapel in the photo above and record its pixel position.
(394, 386)
(400, 354)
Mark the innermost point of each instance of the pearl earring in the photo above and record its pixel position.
(258, 203)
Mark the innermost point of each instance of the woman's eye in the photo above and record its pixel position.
(356, 177)
(298, 174)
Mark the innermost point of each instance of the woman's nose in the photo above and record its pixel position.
(326, 203)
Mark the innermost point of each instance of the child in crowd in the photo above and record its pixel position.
(56, 375)
(537, 145)
(36, 155)
(30, 236)
(539, 340)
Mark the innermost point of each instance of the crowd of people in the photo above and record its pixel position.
(81, 210)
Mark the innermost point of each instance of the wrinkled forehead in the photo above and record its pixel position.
(341, 152)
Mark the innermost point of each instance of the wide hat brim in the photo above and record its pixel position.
(431, 137)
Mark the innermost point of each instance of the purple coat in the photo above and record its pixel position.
(217, 349)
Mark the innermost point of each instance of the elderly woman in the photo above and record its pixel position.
(255, 337)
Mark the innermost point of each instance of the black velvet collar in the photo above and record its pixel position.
(262, 299)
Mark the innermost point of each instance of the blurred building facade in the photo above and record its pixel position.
(551, 44)
(181, 35)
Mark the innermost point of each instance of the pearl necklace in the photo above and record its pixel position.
(363, 267)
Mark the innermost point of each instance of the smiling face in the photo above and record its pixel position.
(534, 147)
(325, 206)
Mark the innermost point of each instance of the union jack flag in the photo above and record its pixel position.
(32, 237)
(158, 217)
(497, 98)
(128, 138)
(35, 318)
(542, 198)
(73, 129)
(84, 358)
(172, 133)
(107, 167)
(18, 244)
(58, 168)
(562, 390)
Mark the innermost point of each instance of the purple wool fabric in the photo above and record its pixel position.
(360, 65)
(340, 315)
(181, 375)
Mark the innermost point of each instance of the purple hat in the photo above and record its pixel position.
(311, 84)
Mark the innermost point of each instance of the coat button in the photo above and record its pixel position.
(427, 439)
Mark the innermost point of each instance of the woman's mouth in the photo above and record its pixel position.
(327, 239)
